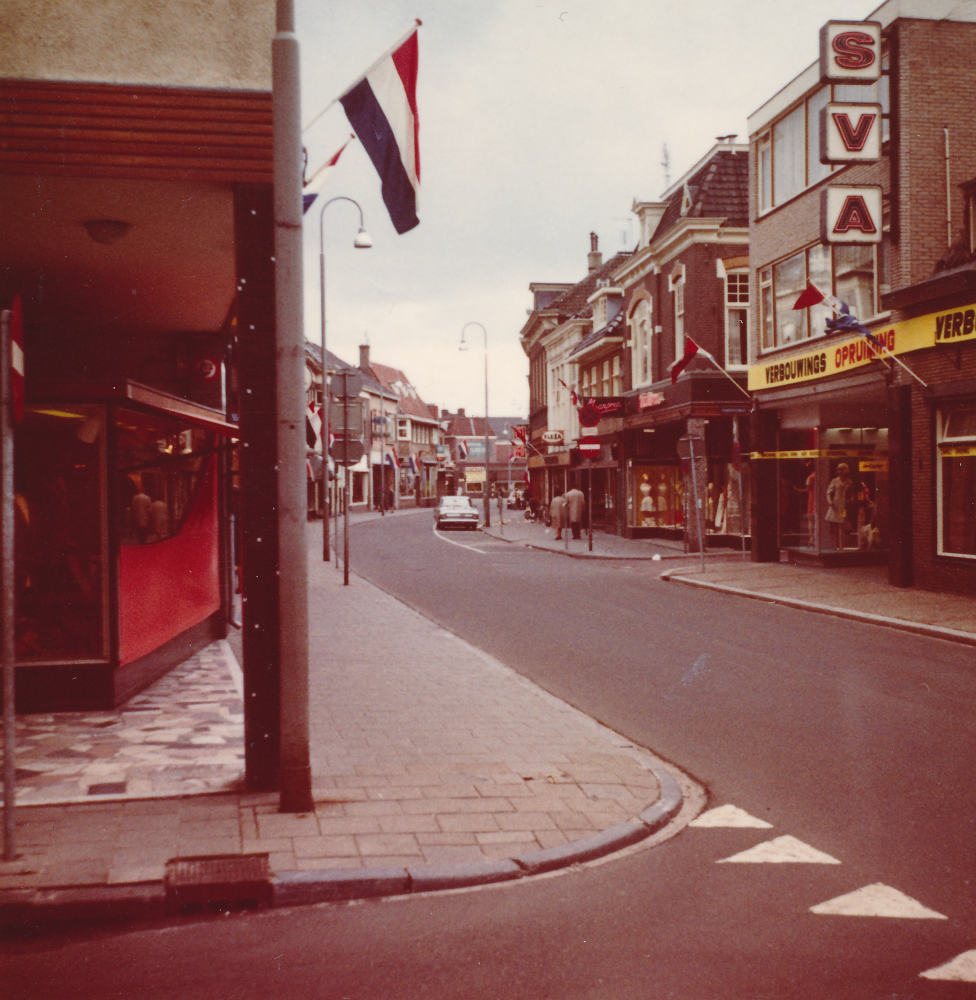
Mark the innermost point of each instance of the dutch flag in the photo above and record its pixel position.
(382, 108)
(463, 450)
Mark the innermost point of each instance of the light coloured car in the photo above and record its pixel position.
(455, 512)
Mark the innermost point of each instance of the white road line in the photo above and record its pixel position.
(781, 850)
(460, 545)
(730, 815)
(877, 900)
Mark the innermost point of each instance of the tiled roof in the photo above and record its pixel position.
(394, 381)
(468, 427)
(720, 190)
(612, 329)
(412, 407)
(573, 302)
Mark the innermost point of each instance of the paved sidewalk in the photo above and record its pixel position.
(434, 766)
(517, 530)
(860, 593)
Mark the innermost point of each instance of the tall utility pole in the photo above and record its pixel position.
(295, 773)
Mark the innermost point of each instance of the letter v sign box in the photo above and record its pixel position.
(850, 214)
(850, 133)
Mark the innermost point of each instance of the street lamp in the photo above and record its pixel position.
(464, 347)
(362, 242)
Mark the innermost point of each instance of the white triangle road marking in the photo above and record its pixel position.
(730, 815)
(877, 900)
(962, 969)
(781, 850)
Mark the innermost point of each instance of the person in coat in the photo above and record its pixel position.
(575, 508)
(557, 510)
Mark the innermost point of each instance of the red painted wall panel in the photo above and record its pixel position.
(166, 587)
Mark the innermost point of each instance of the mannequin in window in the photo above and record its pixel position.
(647, 506)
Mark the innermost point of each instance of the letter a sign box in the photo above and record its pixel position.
(850, 214)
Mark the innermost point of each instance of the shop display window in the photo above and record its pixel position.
(833, 489)
(161, 462)
(655, 496)
(727, 498)
(956, 474)
(61, 579)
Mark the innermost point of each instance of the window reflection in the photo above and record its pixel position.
(161, 462)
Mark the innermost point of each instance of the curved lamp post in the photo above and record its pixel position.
(362, 242)
(464, 347)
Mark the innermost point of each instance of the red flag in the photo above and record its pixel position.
(691, 349)
(812, 296)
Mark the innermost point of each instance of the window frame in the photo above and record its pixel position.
(737, 306)
(642, 343)
(942, 440)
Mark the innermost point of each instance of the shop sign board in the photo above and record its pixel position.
(648, 399)
(850, 214)
(850, 52)
(474, 474)
(553, 437)
(850, 133)
(855, 352)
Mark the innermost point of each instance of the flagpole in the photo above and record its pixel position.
(726, 374)
(359, 79)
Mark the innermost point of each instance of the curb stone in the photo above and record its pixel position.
(918, 628)
(148, 901)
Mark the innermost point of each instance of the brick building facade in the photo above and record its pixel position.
(826, 397)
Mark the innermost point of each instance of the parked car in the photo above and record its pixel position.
(456, 512)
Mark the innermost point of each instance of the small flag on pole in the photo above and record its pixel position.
(382, 108)
(812, 296)
(314, 185)
(691, 349)
(392, 460)
(463, 450)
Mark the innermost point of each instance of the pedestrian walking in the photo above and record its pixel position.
(557, 510)
(575, 509)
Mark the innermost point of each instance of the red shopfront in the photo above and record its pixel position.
(122, 543)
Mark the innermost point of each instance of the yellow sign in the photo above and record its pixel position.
(957, 450)
(474, 474)
(867, 453)
(873, 465)
(898, 338)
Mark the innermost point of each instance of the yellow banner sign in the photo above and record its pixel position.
(898, 338)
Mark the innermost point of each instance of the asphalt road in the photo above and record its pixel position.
(856, 741)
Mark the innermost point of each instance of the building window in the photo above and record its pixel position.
(737, 319)
(848, 272)
(788, 156)
(956, 475)
(641, 334)
(616, 384)
(403, 429)
(605, 384)
(677, 282)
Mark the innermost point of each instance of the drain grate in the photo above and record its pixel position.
(217, 884)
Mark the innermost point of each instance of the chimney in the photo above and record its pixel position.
(364, 355)
(445, 414)
(594, 259)
(460, 411)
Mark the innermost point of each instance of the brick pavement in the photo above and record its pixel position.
(425, 751)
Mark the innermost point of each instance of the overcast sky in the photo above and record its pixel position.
(539, 123)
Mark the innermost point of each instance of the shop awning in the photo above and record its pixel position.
(143, 396)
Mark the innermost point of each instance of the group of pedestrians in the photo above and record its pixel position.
(568, 509)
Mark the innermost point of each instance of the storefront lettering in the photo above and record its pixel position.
(858, 350)
(955, 324)
(787, 371)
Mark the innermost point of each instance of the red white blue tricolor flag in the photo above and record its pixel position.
(314, 186)
(463, 450)
(382, 108)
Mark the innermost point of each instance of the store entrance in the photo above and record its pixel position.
(832, 499)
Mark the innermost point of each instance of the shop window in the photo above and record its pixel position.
(60, 544)
(736, 319)
(641, 334)
(956, 475)
(655, 494)
(161, 462)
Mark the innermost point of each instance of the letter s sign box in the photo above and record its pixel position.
(850, 52)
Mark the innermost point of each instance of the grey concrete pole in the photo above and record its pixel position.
(295, 768)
